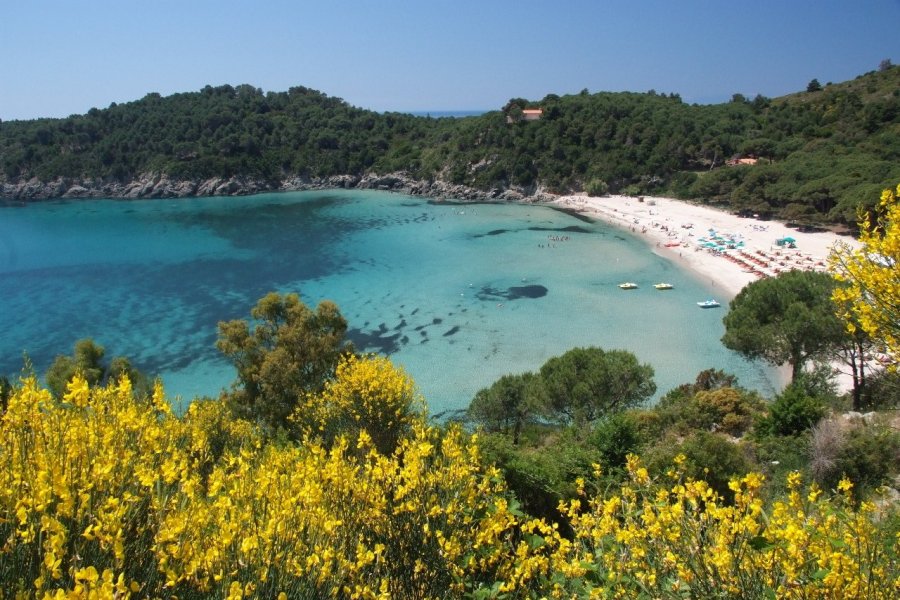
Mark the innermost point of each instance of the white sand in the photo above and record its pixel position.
(664, 221)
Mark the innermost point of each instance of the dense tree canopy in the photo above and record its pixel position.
(820, 153)
(508, 404)
(287, 352)
(87, 361)
(585, 384)
(787, 319)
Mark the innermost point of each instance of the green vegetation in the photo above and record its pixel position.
(105, 493)
(719, 429)
(585, 384)
(286, 353)
(787, 319)
(87, 359)
(821, 153)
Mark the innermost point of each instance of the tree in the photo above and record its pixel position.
(814, 86)
(87, 359)
(871, 299)
(855, 351)
(585, 384)
(507, 405)
(788, 319)
(289, 351)
(6, 391)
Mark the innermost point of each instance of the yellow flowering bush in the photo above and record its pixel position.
(871, 298)
(108, 495)
(647, 540)
(367, 394)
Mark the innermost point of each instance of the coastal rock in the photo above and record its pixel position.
(77, 191)
(156, 185)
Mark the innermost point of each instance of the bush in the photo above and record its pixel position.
(615, 438)
(779, 456)
(597, 187)
(724, 409)
(866, 454)
(108, 495)
(792, 412)
(882, 391)
(716, 460)
(543, 475)
(709, 456)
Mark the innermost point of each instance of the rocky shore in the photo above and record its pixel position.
(162, 186)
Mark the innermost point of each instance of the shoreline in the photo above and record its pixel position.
(678, 231)
(673, 230)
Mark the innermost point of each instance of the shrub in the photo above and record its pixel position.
(716, 460)
(826, 442)
(541, 476)
(867, 454)
(726, 409)
(596, 187)
(102, 495)
(882, 391)
(792, 412)
(615, 438)
(648, 540)
(367, 394)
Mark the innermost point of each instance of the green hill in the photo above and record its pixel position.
(820, 154)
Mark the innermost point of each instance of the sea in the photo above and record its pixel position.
(456, 294)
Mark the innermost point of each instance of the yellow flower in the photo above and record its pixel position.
(845, 485)
(77, 391)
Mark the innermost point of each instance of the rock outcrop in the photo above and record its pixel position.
(154, 185)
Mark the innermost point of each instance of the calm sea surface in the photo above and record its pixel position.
(457, 294)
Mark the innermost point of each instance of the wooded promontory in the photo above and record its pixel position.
(812, 157)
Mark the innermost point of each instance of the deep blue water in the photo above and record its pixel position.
(457, 294)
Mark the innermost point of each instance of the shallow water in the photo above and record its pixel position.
(457, 294)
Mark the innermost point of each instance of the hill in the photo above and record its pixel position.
(818, 154)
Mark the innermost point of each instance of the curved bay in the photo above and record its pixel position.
(457, 294)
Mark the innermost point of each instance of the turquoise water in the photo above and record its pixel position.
(457, 294)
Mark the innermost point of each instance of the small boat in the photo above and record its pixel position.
(664, 286)
(628, 285)
(708, 304)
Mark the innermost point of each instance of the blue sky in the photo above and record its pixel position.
(62, 57)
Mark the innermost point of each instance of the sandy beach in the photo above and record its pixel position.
(728, 250)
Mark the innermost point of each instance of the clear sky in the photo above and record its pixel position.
(62, 57)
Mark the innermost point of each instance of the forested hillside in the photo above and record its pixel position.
(820, 153)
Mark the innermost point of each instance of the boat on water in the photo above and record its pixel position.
(628, 285)
(708, 304)
(663, 286)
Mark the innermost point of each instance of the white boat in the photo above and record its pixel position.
(664, 286)
(708, 304)
(628, 285)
